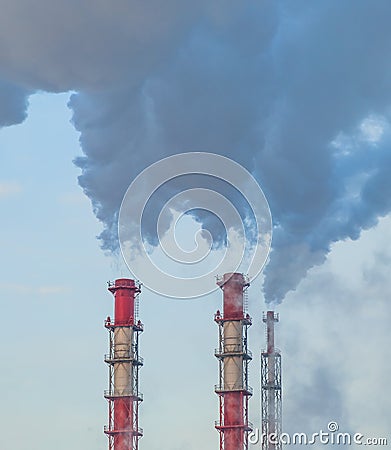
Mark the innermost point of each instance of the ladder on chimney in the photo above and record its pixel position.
(245, 301)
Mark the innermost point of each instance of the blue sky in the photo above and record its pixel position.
(47, 244)
(55, 300)
(299, 94)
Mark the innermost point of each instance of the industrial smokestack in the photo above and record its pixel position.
(271, 393)
(124, 362)
(233, 355)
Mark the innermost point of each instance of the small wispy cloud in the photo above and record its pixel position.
(372, 128)
(37, 290)
(7, 189)
(52, 290)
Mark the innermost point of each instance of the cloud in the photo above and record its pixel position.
(52, 290)
(43, 290)
(8, 189)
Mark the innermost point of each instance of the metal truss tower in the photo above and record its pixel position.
(271, 392)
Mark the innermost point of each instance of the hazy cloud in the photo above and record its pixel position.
(43, 290)
(8, 189)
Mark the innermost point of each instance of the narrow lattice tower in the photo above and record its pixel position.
(124, 362)
(271, 393)
(233, 355)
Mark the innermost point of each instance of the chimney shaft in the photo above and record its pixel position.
(123, 361)
(233, 355)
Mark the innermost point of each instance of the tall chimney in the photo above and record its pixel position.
(233, 355)
(124, 362)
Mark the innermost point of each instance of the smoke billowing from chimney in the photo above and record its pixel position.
(299, 94)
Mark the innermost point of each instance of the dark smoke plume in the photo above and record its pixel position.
(298, 92)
